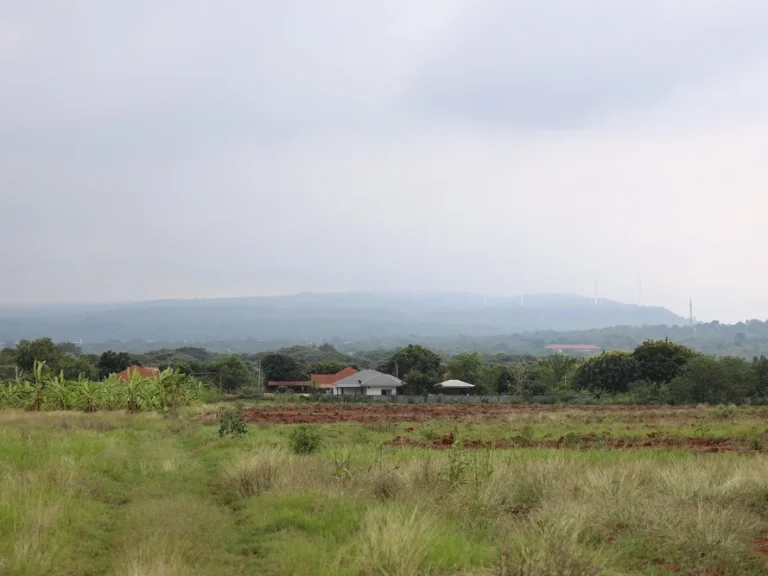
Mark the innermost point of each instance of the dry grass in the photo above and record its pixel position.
(258, 472)
(141, 499)
(395, 542)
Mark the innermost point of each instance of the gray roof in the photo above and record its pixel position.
(455, 384)
(369, 378)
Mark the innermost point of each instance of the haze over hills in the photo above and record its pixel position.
(316, 317)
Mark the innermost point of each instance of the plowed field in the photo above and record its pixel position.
(320, 413)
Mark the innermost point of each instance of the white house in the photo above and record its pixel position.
(367, 383)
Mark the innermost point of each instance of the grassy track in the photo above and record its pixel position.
(110, 493)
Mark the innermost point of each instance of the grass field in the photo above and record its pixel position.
(513, 491)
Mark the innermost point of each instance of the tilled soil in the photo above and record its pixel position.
(590, 441)
(329, 413)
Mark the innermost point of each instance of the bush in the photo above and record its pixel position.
(305, 440)
(725, 412)
(230, 424)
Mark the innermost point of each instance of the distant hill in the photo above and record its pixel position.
(318, 317)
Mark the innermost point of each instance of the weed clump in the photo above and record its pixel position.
(305, 440)
(230, 424)
(724, 412)
(259, 472)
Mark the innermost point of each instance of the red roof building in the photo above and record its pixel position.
(326, 381)
(317, 381)
(144, 372)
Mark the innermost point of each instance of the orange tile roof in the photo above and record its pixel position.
(320, 381)
(326, 381)
(144, 372)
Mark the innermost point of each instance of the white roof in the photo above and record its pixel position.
(370, 379)
(455, 384)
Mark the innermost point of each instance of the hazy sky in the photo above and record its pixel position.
(153, 149)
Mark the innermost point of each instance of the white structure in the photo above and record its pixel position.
(367, 383)
(455, 385)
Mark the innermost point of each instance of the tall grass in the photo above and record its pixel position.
(130, 494)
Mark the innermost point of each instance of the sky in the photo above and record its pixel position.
(204, 149)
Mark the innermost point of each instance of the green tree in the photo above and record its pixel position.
(78, 368)
(611, 371)
(417, 366)
(41, 350)
(328, 367)
(7, 363)
(661, 361)
(279, 367)
(494, 379)
(760, 371)
(465, 366)
(113, 362)
(231, 373)
(69, 348)
(713, 381)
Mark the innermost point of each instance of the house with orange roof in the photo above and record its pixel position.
(316, 382)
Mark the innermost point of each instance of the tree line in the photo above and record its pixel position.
(656, 371)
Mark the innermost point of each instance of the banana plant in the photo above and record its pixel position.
(133, 392)
(58, 393)
(39, 383)
(170, 389)
(88, 395)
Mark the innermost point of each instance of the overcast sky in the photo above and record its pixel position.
(180, 148)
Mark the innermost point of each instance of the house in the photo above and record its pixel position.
(367, 383)
(144, 372)
(455, 387)
(326, 381)
(316, 382)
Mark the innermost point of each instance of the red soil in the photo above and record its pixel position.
(591, 441)
(329, 413)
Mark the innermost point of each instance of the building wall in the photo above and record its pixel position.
(368, 391)
(377, 391)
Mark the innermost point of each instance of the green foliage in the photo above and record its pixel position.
(330, 367)
(494, 379)
(725, 412)
(114, 362)
(230, 424)
(713, 381)
(417, 366)
(232, 373)
(283, 368)
(41, 350)
(465, 366)
(69, 348)
(44, 390)
(78, 367)
(661, 360)
(305, 440)
(610, 371)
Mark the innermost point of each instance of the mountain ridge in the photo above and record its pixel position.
(323, 316)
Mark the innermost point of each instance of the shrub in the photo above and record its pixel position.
(230, 424)
(305, 440)
(725, 412)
